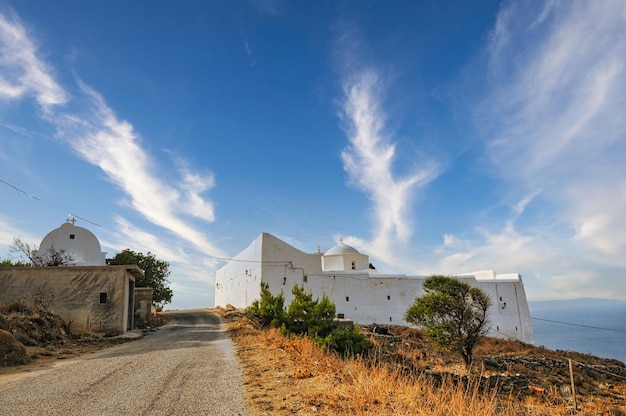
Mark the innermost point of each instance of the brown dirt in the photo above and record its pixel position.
(45, 338)
(287, 377)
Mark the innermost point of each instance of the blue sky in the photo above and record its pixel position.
(437, 137)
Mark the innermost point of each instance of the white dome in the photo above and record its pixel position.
(341, 248)
(81, 244)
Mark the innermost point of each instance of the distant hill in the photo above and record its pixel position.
(579, 301)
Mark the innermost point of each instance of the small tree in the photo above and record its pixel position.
(305, 316)
(51, 257)
(11, 263)
(269, 309)
(453, 313)
(312, 317)
(155, 273)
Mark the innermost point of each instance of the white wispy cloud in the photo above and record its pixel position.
(369, 162)
(191, 272)
(500, 249)
(194, 184)
(561, 124)
(248, 50)
(554, 129)
(101, 138)
(127, 235)
(112, 144)
(23, 72)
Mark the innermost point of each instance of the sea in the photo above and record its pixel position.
(586, 325)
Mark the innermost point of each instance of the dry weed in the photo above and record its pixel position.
(308, 380)
(292, 375)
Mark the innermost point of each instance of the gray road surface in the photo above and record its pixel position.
(185, 368)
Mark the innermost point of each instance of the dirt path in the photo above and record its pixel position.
(187, 367)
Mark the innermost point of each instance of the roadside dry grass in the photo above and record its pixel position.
(287, 376)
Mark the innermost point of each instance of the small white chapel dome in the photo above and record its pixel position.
(81, 244)
(341, 248)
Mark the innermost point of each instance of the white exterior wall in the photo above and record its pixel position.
(366, 298)
(344, 262)
(509, 316)
(363, 296)
(238, 283)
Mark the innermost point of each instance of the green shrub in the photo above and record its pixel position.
(269, 310)
(311, 317)
(346, 342)
(305, 316)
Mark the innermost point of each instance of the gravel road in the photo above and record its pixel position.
(187, 367)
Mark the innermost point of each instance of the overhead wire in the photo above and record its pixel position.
(578, 325)
(20, 190)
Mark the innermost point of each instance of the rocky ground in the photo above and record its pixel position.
(514, 370)
(32, 336)
(512, 367)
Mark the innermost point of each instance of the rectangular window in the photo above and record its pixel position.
(306, 279)
(71, 236)
(347, 298)
(103, 297)
(388, 297)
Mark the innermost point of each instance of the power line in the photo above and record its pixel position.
(579, 325)
(20, 190)
(84, 219)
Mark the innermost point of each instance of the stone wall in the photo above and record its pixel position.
(143, 307)
(88, 298)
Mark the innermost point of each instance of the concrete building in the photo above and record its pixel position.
(89, 298)
(85, 292)
(361, 294)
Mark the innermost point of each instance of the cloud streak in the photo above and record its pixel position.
(23, 73)
(99, 137)
(554, 130)
(369, 163)
(560, 124)
(111, 144)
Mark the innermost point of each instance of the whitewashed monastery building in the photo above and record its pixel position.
(360, 293)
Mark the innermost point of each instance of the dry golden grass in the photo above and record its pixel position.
(287, 376)
(294, 376)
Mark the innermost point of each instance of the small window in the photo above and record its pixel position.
(353, 265)
(284, 280)
(347, 298)
(388, 297)
(390, 319)
(306, 279)
(340, 316)
(103, 297)
(71, 236)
